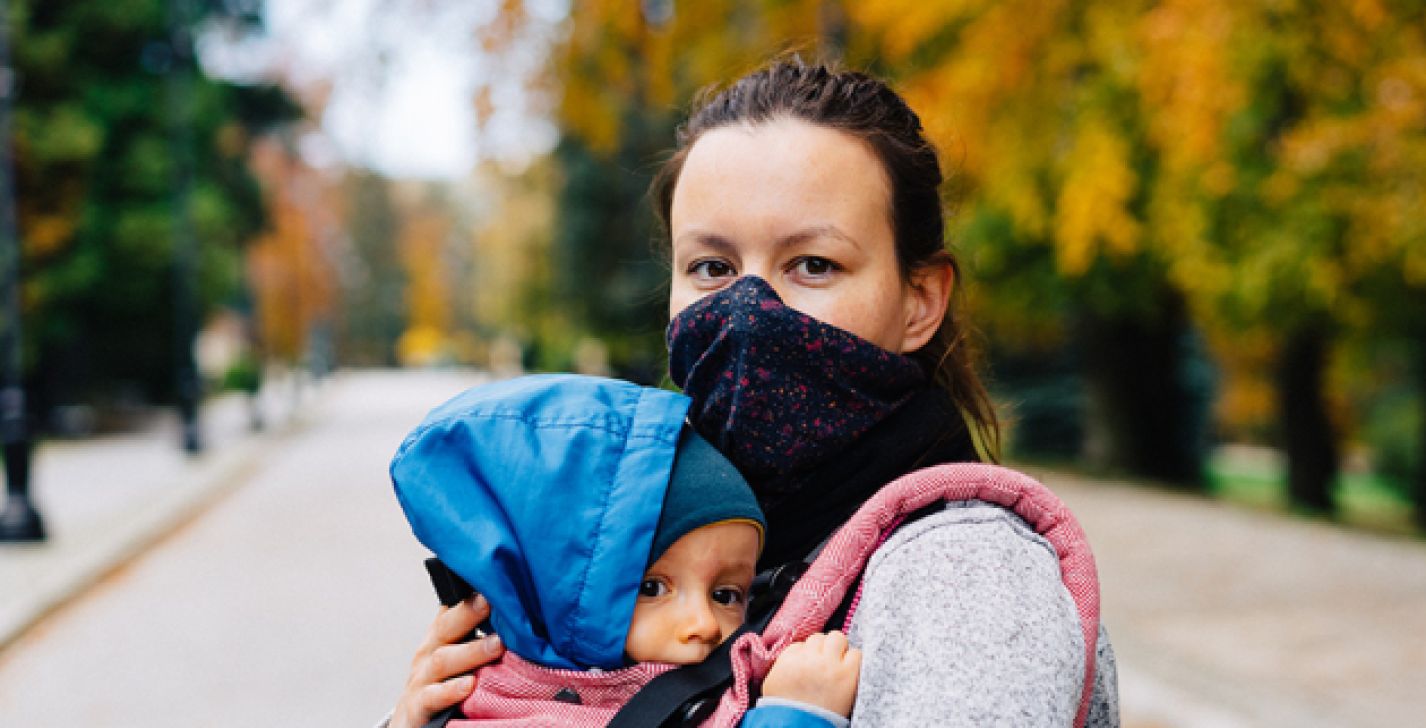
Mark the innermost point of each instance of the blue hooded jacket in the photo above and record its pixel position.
(543, 493)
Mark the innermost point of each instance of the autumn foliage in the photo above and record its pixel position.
(1244, 174)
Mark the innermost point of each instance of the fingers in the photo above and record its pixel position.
(829, 644)
(420, 704)
(450, 660)
(439, 669)
(434, 698)
(454, 623)
(821, 670)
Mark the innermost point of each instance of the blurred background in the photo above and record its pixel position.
(1193, 235)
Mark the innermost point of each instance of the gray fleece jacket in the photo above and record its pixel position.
(964, 621)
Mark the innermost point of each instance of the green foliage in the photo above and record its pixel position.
(245, 375)
(375, 313)
(605, 232)
(97, 143)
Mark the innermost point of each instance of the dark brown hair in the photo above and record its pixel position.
(869, 110)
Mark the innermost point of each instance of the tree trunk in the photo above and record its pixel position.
(1143, 417)
(1418, 485)
(1306, 430)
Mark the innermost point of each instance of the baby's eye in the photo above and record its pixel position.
(652, 588)
(727, 596)
(710, 268)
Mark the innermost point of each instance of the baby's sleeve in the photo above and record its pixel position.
(784, 713)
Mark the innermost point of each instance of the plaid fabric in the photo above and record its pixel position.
(516, 692)
(818, 593)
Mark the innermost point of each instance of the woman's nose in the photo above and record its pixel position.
(699, 624)
(770, 279)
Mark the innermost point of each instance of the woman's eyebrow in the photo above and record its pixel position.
(710, 240)
(817, 231)
(725, 246)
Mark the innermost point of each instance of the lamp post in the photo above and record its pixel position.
(185, 242)
(19, 521)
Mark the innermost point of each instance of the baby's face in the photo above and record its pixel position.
(695, 595)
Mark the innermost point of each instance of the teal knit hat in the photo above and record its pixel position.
(704, 488)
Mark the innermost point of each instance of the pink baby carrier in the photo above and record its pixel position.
(516, 692)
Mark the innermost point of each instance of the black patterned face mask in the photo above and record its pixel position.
(774, 389)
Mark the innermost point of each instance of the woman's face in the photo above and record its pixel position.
(806, 208)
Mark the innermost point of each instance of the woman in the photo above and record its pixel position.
(813, 329)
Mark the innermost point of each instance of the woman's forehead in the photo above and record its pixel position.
(783, 171)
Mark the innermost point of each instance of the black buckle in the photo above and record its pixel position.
(770, 588)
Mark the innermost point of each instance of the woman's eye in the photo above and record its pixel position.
(711, 268)
(728, 596)
(652, 588)
(815, 267)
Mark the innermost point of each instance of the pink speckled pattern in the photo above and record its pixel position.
(774, 389)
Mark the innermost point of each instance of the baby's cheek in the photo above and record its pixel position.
(637, 643)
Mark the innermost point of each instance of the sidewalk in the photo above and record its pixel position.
(1224, 617)
(106, 499)
(1221, 617)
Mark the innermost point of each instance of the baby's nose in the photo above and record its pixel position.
(699, 624)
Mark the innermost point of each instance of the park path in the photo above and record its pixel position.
(297, 598)
(1227, 617)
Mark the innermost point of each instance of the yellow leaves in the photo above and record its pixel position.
(421, 346)
(590, 115)
(1414, 267)
(1091, 211)
(904, 25)
(422, 248)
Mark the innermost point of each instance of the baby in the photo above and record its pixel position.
(611, 543)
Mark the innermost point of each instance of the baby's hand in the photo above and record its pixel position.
(822, 671)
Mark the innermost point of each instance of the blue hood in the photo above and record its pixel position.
(543, 493)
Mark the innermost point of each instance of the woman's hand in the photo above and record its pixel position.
(821, 670)
(438, 678)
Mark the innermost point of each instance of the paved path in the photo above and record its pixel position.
(297, 597)
(1225, 617)
(105, 499)
(295, 601)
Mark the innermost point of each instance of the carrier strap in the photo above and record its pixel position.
(686, 695)
(445, 716)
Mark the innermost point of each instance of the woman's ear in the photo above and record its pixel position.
(928, 295)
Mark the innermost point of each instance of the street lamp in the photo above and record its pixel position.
(185, 242)
(19, 521)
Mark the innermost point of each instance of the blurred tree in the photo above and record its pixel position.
(621, 72)
(1140, 181)
(1036, 111)
(374, 313)
(510, 293)
(294, 264)
(425, 247)
(95, 189)
(1297, 208)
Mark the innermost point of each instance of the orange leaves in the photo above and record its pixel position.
(46, 234)
(1187, 81)
(292, 277)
